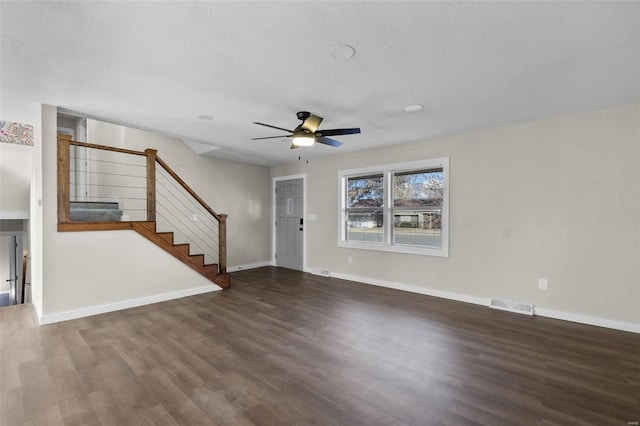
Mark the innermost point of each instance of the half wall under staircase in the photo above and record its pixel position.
(108, 188)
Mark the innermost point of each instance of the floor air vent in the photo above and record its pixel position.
(321, 272)
(511, 306)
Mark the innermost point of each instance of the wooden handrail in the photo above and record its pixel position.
(222, 218)
(152, 156)
(64, 196)
(222, 243)
(107, 148)
(187, 188)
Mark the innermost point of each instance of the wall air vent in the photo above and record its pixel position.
(511, 306)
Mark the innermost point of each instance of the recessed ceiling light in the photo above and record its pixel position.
(205, 117)
(342, 52)
(413, 108)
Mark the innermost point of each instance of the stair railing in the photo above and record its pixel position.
(164, 198)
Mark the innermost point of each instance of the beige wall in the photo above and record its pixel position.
(557, 198)
(15, 178)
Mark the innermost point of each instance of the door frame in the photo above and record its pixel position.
(274, 215)
(21, 242)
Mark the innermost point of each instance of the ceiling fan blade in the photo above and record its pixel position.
(338, 132)
(328, 141)
(311, 124)
(272, 137)
(294, 146)
(273, 127)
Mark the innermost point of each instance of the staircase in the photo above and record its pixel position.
(181, 251)
(151, 193)
(91, 211)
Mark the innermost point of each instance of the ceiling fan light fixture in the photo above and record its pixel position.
(303, 139)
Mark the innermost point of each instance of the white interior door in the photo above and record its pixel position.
(290, 224)
(13, 270)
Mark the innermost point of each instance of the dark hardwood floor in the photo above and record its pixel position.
(282, 347)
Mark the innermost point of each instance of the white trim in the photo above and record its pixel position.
(584, 319)
(274, 202)
(485, 301)
(249, 266)
(415, 289)
(395, 248)
(13, 215)
(125, 304)
(36, 307)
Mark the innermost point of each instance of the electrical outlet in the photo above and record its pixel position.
(543, 284)
(349, 259)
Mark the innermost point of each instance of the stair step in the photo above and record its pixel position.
(166, 236)
(212, 267)
(197, 258)
(95, 215)
(100, 205)
(181, 251)
(182, 248)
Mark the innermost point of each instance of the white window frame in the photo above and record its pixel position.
(387, 171)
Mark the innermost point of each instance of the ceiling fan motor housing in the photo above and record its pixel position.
(303, 115)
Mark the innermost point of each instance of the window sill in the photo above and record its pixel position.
(396, 248)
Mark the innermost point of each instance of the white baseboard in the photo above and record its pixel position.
(415, 289)
(125, 304)
(37, 309)
(584, 319)
(249, 266)
(485, 301)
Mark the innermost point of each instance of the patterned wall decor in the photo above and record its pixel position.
(20, 134)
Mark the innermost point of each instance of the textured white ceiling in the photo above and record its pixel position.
(158, 65)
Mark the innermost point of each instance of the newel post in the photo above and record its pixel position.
(63, 178)
(151, 154)
(222, 243)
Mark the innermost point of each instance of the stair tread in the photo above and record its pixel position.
(93, 205)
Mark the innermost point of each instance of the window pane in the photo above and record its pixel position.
(418, 227)
(417, 207)
(418, 188)
(365, 191)
(365, 198)
(365, 226)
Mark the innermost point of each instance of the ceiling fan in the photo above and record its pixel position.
(307, 133)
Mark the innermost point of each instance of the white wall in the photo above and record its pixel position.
(557, 198)
(15, 180)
